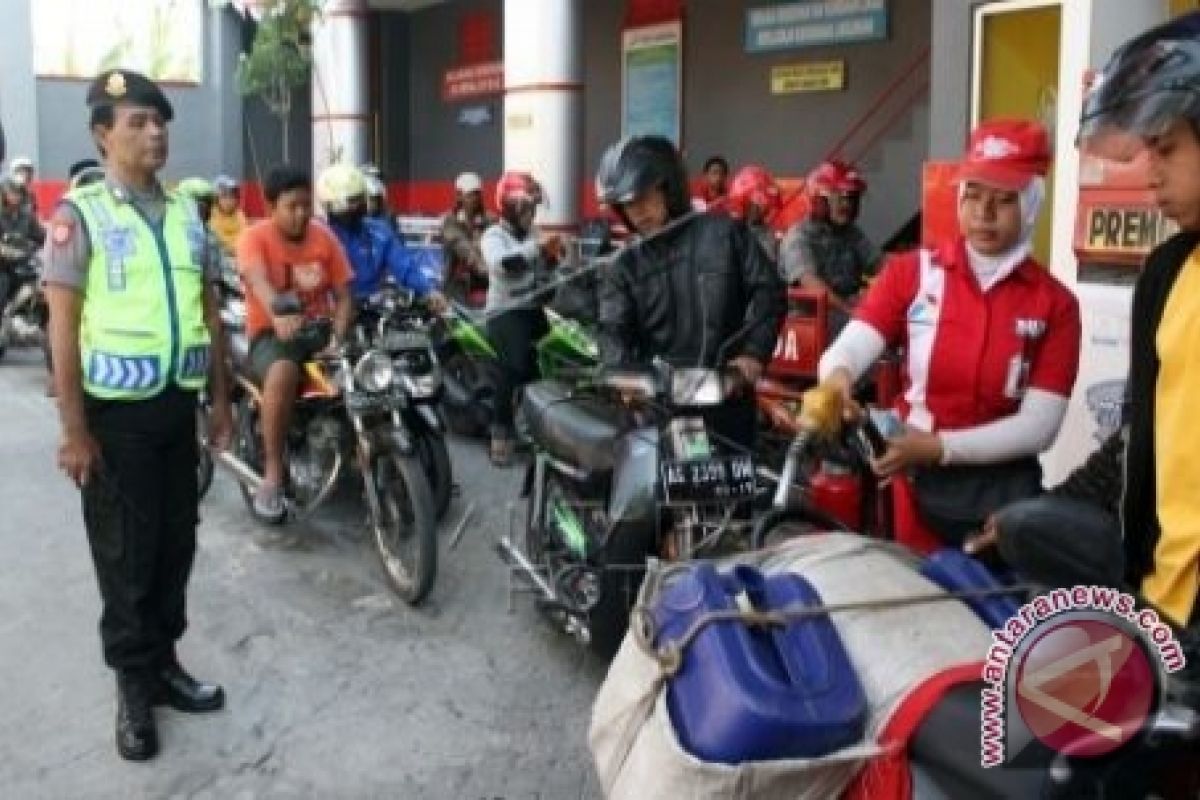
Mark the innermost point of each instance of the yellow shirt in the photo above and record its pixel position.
(1176, 578)
(227, 227)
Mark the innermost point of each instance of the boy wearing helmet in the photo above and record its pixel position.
(754, 198)
(1135, 498)
(374, 250)
(515, 253)
(227, 220)
(827, 251)
(694, 290)
(21, 171)
(462, 229)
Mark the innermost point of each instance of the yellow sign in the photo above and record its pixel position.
(814, 76)
(1133, 231)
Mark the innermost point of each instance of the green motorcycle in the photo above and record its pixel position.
(472, 371)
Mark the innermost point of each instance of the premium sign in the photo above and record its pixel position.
(817, 76)
(477, 80)
(815, 23)
(1125, 230)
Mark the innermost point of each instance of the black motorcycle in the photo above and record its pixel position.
(625, 469)
(391, 322)
(23, 310)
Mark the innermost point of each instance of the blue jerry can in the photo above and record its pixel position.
(955, 571)
(757, 693)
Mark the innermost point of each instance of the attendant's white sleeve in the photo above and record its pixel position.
(1026, 433)
(857, 347)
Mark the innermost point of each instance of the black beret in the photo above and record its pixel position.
(80, 166)
(126, 86)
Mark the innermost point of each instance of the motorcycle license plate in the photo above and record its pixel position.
(394, 341)
(705, 480)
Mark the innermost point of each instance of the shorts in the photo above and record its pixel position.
(267, 348)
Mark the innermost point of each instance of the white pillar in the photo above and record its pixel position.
(543, 101)
(341, 114)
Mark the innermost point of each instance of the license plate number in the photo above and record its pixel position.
(709, 479)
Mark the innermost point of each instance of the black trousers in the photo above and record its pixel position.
(515, 335)
(1061, 542)
(140, 514)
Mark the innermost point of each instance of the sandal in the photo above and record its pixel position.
(501, 452)
(268, 503)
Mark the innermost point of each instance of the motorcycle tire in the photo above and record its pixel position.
(483, 378)
(405, 533)
(619, 587)
(435, 459)
(247, 443)
(205, 466)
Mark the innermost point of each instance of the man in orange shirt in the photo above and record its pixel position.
(287, 256)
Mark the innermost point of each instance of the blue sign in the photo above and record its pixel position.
(474, 116)
(815, 23)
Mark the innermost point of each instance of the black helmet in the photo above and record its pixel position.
(1148, 84)
(636, 164)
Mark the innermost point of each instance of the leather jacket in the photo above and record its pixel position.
(697, 294)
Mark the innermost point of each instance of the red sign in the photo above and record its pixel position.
(478, 80)
(477, 38)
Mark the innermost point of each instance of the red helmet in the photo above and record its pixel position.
(515, 187)
(835, 177)
(830, 178)
(753, 184)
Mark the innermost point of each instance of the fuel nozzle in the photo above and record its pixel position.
(821, 411)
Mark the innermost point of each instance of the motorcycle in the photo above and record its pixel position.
(392, 323)
(349, 410)
(473, 373)
(23, 312)
(624, 469)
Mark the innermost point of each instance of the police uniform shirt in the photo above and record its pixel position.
(68, 249)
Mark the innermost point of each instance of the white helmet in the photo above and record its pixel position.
(375, 187)
(338, 184)
(468, 182)
(17, 164)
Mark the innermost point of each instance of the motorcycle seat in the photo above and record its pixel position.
(582, 431)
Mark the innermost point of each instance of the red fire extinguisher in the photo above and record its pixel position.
(836, 490)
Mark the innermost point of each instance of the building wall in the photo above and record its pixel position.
(440, 146)
(728, 107)
(203, 141)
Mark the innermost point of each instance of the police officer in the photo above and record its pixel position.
(134, 331)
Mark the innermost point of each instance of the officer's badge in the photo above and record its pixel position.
(115, 85)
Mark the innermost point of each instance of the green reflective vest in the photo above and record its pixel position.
(142, 322)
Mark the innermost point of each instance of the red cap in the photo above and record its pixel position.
(1006, 153)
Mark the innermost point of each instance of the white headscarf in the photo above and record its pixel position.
(990, 270)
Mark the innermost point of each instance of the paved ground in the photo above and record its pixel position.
(335, 689)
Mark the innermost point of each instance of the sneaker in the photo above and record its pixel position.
(268, 503)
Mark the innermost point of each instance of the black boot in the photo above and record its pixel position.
(137, 735)
(182, 692)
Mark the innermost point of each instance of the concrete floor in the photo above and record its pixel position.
(336, 690)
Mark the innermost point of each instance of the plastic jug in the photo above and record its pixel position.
(757, 693)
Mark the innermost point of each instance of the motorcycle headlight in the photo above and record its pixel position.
(374, 372)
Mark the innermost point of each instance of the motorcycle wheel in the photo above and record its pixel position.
(482, 378)
(406, 530)
(435, 459)
(205, 466)
(247, 443)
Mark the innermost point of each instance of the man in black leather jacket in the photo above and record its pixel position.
(20, 234)
(692, 289)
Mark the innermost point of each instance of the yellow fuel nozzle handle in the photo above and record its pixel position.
(821, 410)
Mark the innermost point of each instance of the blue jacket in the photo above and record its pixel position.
(375, 252)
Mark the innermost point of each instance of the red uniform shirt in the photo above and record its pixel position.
(969, 354)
